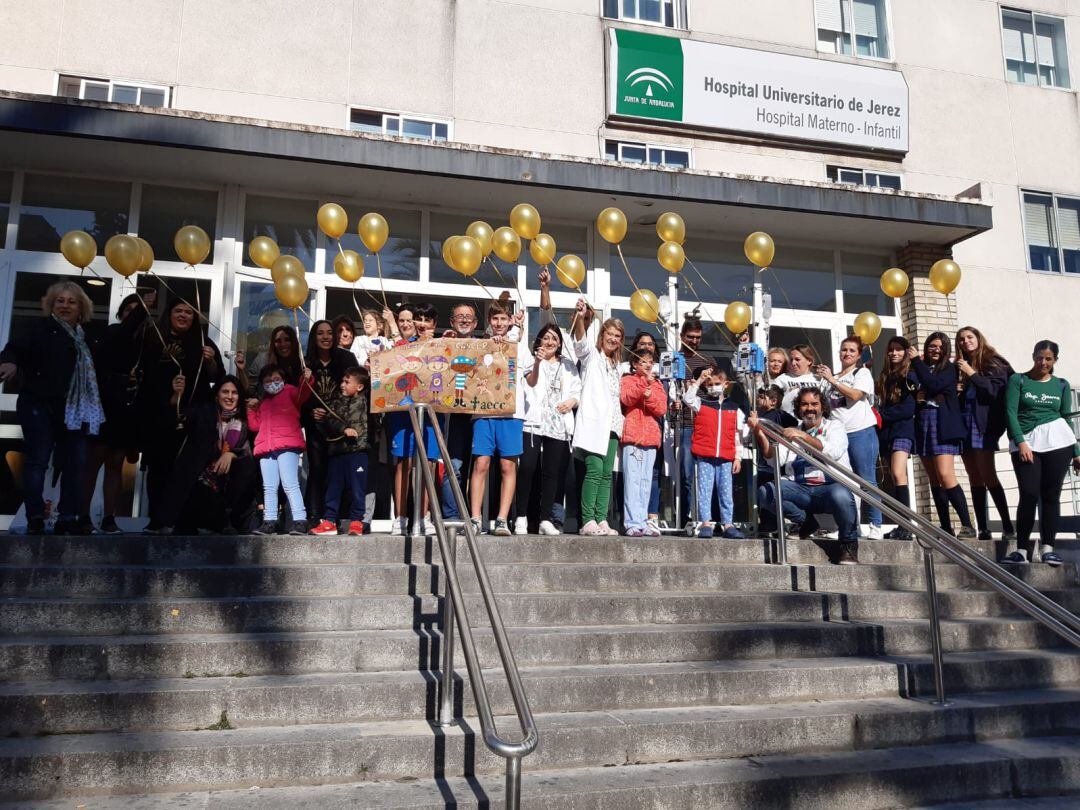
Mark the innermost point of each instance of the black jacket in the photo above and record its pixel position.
(348, 412)
(46, 356)
(898, 418)
(941, 388)
(984, 398)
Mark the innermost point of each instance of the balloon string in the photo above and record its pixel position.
(198, 311)
(483, 287)
(626, 267)
(296, 322)
(514, 287)
(202, 334)
(161, 337)
(378, 265)
(708, 314)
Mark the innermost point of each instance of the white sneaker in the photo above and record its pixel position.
(549, 528)
(874, 533)
(604, 528)
(521, 525)
(590, 528)
(428, 527)
(652, 527)
(400, 528)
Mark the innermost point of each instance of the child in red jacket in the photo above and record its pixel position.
(279, 445)
(718, 432)
(644, 401)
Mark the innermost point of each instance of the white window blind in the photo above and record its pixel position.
(866, 18)
(1037, 220)
(1069, 223)
(1019, 40)
(830, 15)
(1044, 43)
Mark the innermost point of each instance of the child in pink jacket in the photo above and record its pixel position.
(279, 445)
(644, 401)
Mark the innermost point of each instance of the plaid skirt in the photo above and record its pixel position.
(926, 439)
(975, 438)
(902, 446)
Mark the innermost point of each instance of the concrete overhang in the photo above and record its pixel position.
(59, 134)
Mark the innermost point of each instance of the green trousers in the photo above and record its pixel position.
(596, 485)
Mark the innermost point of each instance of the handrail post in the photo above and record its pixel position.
(935, 627)
(417, 483)
(513, 783)
(446, 703)
(781, 533)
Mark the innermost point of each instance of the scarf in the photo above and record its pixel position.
(83, 404)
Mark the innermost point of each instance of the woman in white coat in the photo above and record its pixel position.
(600, 418)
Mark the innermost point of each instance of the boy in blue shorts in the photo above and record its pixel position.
(496, 435)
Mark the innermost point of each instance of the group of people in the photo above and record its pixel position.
(218, 448)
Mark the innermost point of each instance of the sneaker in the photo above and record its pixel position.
(300, 527)
(548, 528)
(606, 529)
(899, 533)
(86, 525)
(874, 533)
(634, 532)
(966, 533)
(1050, 558)
(400, 527)
(705, 531)
(849, 553)
(501, 528)
(267, 527)
(35, 525)
(108, 526)
(356, 528)
(652, 527)
(590, 528)
(521, 526)
(325, 527)
(68, 527)
(1009, 536)
(732, 533)
(985, 535)
(477, 528)
(808, 528)
(427, 527)
(1018, 557)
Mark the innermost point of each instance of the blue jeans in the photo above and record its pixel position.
(686, 472)
(654, 488)
(801, 501)
(863, 453)
(282, 467)
(458, 431)
(45, 435)
(346, 470)
(637, 469)
(710, 471)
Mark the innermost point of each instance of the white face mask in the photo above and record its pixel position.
(274, 387)
(716, 390)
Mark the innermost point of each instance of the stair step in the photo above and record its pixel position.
(127, 763)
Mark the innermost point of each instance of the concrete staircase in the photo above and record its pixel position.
(285, 672)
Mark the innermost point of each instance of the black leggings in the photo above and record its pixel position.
(1040, 485)
(551, 456)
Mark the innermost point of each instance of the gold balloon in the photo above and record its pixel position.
(506, 243)
(525, 220)
(146, 255)
(671, 228)
(264, 251)
(542, 249)
(79, 248)
(482, 233)
(644, 304)
(192, 244)
(291, 291)
(611, 223)
(737, 317)
(373, 231)
(123, 254)
(332, 219)
(571, 271)
(894, 282)
(286, 266)
(759, 249)
(349, 265)
(945, 276)
(447, 245)
(868, 327)
(671, 256)
(465, 255)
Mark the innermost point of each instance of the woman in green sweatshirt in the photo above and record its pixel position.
(1042, 444)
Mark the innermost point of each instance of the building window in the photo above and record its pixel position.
(839, 20)
(290, 223)
(668, 13)
(52, 205)
(408, 126)
(1052, 225)
(655, 154)
(146, 95)
(863, 177)
(1035, 49)
(165, 210)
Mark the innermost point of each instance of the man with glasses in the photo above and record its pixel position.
(457, 427)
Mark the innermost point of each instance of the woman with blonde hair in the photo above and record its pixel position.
(59, 402)
(600, 417)
(799, 375)
(776, 363)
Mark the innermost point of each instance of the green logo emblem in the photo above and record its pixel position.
(649, 76)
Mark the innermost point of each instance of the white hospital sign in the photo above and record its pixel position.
(701, 84)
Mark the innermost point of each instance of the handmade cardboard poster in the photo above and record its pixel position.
(452, 375)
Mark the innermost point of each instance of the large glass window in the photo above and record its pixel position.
(639, 249)
(653, 154)
(838, 21)
(400, 255)
(443, 226)
(802, 278)
(568, 239)
(662, 12)
(165, 210)
(409, 126)
(862, 283)
(257, 314)
(1035, 48)
(5, 203)
(53, 205)
(722, 274)
(290, 223)
(1052, 226)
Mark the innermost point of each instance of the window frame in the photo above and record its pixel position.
(401, 116)
(648, 147)
(165, 89)
(829, 169)
(678, 15)
(1034, 17)
(1056, 231)
(889, 38)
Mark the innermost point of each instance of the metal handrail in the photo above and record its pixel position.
(932, 538)
(512, 752)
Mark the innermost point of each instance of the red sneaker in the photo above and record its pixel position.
(356, 528)
(325, 527)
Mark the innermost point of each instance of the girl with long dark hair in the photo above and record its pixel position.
(984, 375)
(896, 389)
(328, 364)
